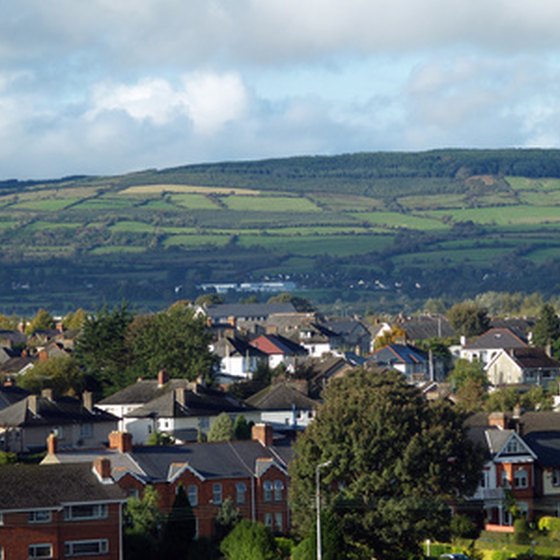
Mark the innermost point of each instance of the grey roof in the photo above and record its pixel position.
(236, 347)
(546, 446)
(497, 338)
(42, 486)
(64, 410)
(345, 327)
(246, 311)
(529, 358)
(497, 438)
(281, 396)
(229, 459)
(426, 326)
(16, 364)
(14, 337)
(519, 326)
(203, 402)
(11, 395)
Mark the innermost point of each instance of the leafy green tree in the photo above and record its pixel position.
(249, 541)
(300, 304)
(209, 299)
(8, 323)
(101, 350)
(43, 320)
(241, 428)
(471, 396)
(160, 438)
(547, 327)
(221, 429)
(75, 320)
(228, 517)
(332, 540)
(467, 371)
(179, 530)
(175, 340)
(62, 374)
(502, 400)
(394, 463)
(142, 524)
(468, 319)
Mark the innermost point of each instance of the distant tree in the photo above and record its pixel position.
(62, 374)
(396, 335)
(101, 350)
(468, 319)
(209, 299)
(221, 429)
(435, 305)
(467, 371)
(43, 320)
(179, 530)
(8, 323)
(228, 517)
(502, 400)
(471, 396)
(301, 304)
(75, 320)
(241, 428)
(249, 541)
(175, 340)
(160, 438)
(547, 328)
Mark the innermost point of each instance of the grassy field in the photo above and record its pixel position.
(44, 205)
(270, 203)
(195, 201)
(145, 190)
(503, 216)
(408, 221)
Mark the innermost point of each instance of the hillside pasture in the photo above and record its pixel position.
(146, 190)
(431, 202)
(406, 221)
(347, 203)
(196, 241)
(45, 205)
(270, 203)
(125, 226)
(501, 215)
(195, 201)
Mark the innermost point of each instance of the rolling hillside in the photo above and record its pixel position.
(377, 228)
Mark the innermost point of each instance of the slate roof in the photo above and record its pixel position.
(546, 445)
(345, 327)
(15, 365)
(397, 354)
(496, 338)
(276, 344)
(281, 396)
(205, 402)
(237, 347)
(519, 326)
(528, 358)
(11, 395)
(426, 326)
(246, 311)
(14, 337)
(64, 410)
(42, 486)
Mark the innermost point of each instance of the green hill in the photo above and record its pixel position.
(390, 227)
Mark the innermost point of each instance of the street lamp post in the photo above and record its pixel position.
(318, 505)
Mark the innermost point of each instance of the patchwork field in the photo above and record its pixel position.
(130, 238)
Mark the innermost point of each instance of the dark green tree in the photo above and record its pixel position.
(175, 340)
(465, 371)
(300, 304)
(101, 350)
(179, 529)
(142, 524)
(221, 429)
(160, 438)
(43, 320)
(242, 428)
(395, 463)
(249, 541)
(228, 517)
(468, 319)
(62, 374)
(547, 327)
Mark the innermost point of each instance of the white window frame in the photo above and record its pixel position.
(192, 494)
(278, 490)
(217, 493)
(240, 492)
(521, 478)
(99, 511)
(268, 519)
(267, 490)
(278, 522)
(40, 516)
(72, 548)
(33, 550)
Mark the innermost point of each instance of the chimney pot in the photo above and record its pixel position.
(122, 441)
(162, 377)
(263, 434)
(180, 396)
(87, 400)
(52, 444)
(47, 394)
(497, 419)
(32, 404)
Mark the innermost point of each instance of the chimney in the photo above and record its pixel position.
(122, 441)
(193, 386)
(52, 444)
(8, 382)
(161, 378)
(43, 355)
(32, 404)
(59, 326)
(47, 394)
(24, 353)
(497, 419)
(102, 468)
(181, 396)
(262, 433)
(87, 400)
(232, 320)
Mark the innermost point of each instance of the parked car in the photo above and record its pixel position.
(454, 557)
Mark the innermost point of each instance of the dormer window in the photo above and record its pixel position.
(512, 446)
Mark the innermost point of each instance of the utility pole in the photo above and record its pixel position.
(318, 505)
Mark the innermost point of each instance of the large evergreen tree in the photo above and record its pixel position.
(468, 319)
(547, 328)
(179, 530)
(395, 464)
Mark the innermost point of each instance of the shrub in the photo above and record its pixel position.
(549, 524)
(521, 531)
(7, 458)
(463, 527)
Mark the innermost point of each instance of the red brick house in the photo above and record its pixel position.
(252, 473)
(60, 511)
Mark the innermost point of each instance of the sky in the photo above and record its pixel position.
(113, 86)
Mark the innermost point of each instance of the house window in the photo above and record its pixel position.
(278, 522)
(521, 478)
(241, 490)
(40, 551)
(86, 430)
(58, 432)
(203, 423)
(505, 480)
(268, 519)
(555, 477)
(85, 512)
(267, 487)
(278, 490)
(512, 446)
(192, 493)
(133, 493)
(217, 493)
(39, 516)
(86, 548)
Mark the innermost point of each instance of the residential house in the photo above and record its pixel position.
(319, 340)
(12, 339)
(424, 327)
(10, 394)
(409, 360)
(522, 366)
(17, 365)
(25, 424)
(238, 359)
(252, 473)
(329, 367)
(487, 346)
(60, 511)
(242, 315)
(351, 334)
(284, 405)
(175, 406)
(280, 351)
